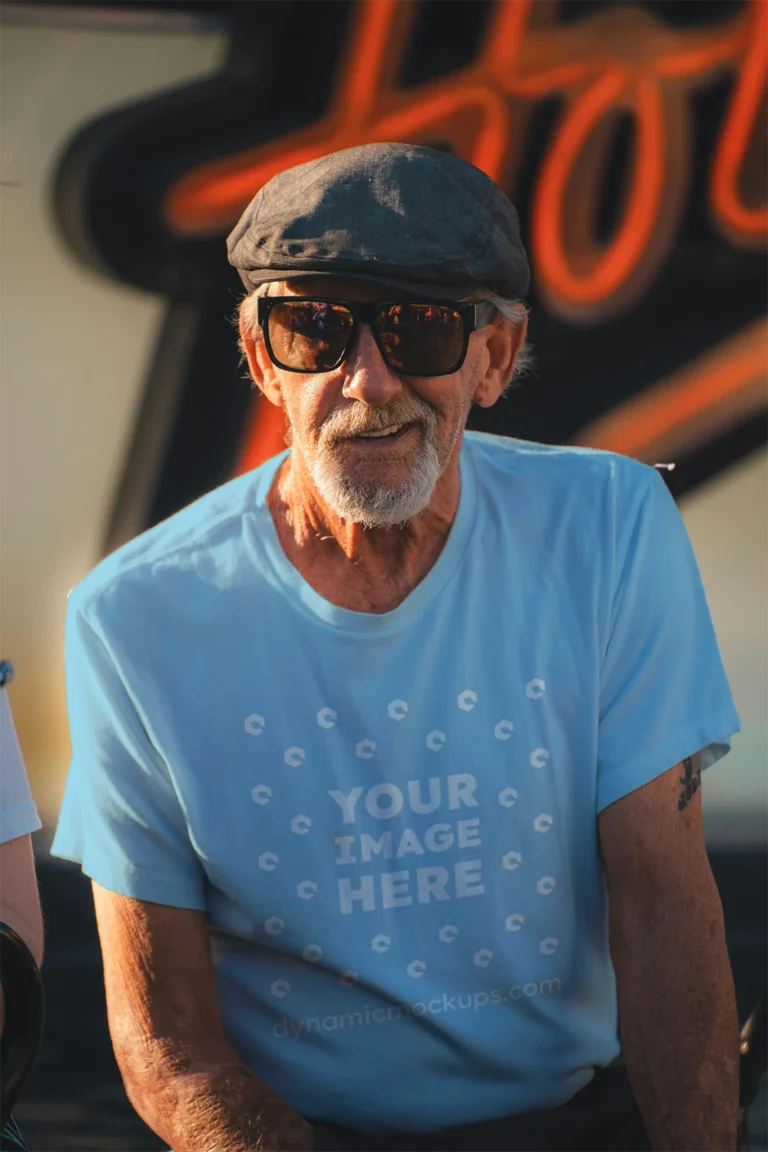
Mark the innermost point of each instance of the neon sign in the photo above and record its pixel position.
(676, 415)
(618, 61)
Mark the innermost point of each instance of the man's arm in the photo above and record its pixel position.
(19, 898)
(180, 1072)
(677, 1009)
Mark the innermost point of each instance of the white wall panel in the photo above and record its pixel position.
(727, 520)
(73, 353)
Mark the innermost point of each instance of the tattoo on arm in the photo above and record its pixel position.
(690, 781)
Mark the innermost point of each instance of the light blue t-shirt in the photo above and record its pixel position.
(390, 820)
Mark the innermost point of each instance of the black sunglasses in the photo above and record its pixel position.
(313, 334)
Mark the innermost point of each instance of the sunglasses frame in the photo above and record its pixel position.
(474, 316)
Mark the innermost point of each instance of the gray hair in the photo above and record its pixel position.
(248, 311)
(513, 310)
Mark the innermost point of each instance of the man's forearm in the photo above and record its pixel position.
(215, 1106)
(679, 1028)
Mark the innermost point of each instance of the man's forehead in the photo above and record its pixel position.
(339, 288)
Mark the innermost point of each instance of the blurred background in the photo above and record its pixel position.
(632, 138)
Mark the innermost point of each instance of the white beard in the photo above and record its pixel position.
(371, 505)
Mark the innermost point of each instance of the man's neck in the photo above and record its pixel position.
(363, 569)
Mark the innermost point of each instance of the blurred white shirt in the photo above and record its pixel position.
(18, 811)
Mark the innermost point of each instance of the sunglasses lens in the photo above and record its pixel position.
(421, 339)
(309, 335)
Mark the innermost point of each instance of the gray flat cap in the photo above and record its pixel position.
(408, 217)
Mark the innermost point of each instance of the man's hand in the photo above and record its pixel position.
(677, 1010)
(180, 1072)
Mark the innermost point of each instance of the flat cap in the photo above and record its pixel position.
(413, 218)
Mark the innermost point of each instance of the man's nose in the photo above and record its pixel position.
(367, 378)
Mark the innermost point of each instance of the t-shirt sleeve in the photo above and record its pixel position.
(121, 818)
(664, 694)
(18, 812)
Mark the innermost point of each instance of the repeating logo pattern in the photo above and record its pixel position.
(385, 800)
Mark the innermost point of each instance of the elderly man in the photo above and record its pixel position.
(386, 755)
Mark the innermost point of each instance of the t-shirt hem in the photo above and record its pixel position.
(136, 883)
(714, 741)
(19, 821)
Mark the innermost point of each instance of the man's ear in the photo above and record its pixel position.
(502, 348)
(259, 364)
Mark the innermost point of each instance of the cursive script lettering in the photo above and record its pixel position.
(620, 60)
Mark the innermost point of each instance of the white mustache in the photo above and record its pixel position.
(341, 426)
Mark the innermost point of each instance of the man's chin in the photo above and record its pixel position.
(376, 505)
(377, 509)
(378, 494)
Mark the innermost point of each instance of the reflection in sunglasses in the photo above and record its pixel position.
(414, 338)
